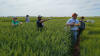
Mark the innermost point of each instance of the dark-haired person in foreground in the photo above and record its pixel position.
(40, 22)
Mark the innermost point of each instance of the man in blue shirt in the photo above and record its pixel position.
(74, 27)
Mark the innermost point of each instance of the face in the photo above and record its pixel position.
(14, 19)
(75, 16)
(39, 18)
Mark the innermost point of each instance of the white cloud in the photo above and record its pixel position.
(49, 7)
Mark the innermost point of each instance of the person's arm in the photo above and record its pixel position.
(68, 23)
(77, 24)
(13, 23)
(71, 24)
(43, 20)
(85, 21)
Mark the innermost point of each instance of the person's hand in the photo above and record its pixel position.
(72, 24)
(12, 24)
(77, 24)
(46, 19)
(21, 23)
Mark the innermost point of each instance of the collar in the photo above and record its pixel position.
(73, 18)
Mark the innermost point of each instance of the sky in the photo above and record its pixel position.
(49, 7)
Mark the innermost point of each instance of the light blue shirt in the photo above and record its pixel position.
(70, 21)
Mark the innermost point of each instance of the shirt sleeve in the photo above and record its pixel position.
(78, 21)
(68, 22)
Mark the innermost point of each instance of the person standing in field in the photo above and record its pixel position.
(74, 27)
(81, 29)
(73, 23)
(15, 22)
(39, 23)
(82, 25)
(27, 19)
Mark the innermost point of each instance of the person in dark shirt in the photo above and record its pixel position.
(39, 23)
(82, 25)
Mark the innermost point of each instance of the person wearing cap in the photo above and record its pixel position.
(39, 23)
(27, 19)
(73, 23)
(15, 22)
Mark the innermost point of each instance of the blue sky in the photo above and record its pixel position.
(49, 7)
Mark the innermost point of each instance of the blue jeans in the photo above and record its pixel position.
(74, 34)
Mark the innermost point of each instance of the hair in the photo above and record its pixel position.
(15, 18)
(82, 17)
(39, 17)
(74, 14)
(27, 15)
